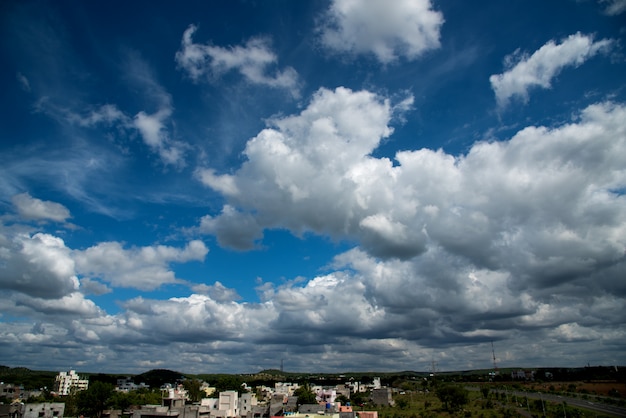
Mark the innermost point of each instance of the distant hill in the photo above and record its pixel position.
(37, 379)
(30, 379)
(158, 377)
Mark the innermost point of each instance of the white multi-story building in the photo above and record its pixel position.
(65, 382)
(247, 402)
(227, 405)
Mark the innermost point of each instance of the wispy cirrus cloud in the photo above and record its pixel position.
(254, 61)
(613, 7)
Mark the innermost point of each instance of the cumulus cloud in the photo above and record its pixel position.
(253, 61)
(144, 268)
(155, 135)
(524, 72)
(73, 304)
(39, 266)
(217, 292)
(197, 318)
(93, 287)
(322, 182)
(233, 228)
(29, 208)
(539, 211)
(413, 310)
(388, 30)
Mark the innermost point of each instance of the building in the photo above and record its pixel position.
(227, 405)
(127, 384)
(382, 396)
(33, 410)
(65, 382)
(247, 402)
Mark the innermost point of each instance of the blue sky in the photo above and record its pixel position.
(340, 185)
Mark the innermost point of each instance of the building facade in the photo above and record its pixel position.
(65, 382)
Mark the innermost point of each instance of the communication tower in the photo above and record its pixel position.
(495, 365)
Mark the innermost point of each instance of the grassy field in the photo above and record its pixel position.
(418, 404)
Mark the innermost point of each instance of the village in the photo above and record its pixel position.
(248, 402)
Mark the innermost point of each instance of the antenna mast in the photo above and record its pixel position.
(495, 365)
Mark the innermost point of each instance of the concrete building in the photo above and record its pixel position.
(382, 396)
(127, 384)
(247, 402)
(227, 405)
(65, 382)
(10, 410)
(173, 397)
(37, 410)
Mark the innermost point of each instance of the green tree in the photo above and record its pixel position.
(305, 395)
(228, 382)
(402, 402)
(359, 398)
(193, 389)
(120, 400)
(452, 397)
(95, 399)
(71, 403)
(343, 399)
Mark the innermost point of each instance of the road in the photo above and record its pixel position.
(577, 402)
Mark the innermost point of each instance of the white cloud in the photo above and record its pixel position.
(107, 114)
(153, 126)
(144, 268)
(197, 318)
(224, 183)
(540, 209)
(24, 83)
(614, 7)
(29, 207)
(388, 30)
(537, 70)
(39, 266)
(322, 180)
(233, 228)
(155, 135)
(217, 292)
(93, 287)
(73, 304)
(253, 61)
